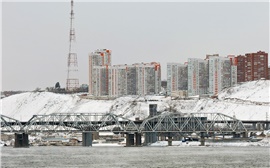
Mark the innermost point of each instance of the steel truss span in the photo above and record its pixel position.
(9, 124)
(192, 122)
(98, 122)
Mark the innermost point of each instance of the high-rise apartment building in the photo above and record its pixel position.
(197, 76)
(100, 57)
(219, 74)
(233, 61)
(256, 66)
(100, 84)
(241, 68)
(131, 73)
(211, 75)
(252, 66)
(177, 77)
(148, 78)
(119, 80)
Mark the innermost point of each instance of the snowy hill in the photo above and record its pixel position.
(24, 106)
(248, 101)
(255, 91)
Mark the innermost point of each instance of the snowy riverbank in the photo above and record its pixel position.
(248, 101)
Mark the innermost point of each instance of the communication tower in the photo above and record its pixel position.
(72, 83)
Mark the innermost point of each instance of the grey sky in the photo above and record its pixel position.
(35, 35)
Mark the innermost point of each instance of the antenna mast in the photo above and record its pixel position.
(72, 80)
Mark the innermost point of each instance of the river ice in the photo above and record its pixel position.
(131, 157)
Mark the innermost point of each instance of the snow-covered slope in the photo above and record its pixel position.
(254, 91)
(24, 106)
(248, 101)
(240, 110)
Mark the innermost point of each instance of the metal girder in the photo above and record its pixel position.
(9, 124)
(97, 122)
(192, 122)
(80, 122)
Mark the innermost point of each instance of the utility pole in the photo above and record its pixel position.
(72, 83)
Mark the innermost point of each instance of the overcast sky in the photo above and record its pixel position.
(35, 35)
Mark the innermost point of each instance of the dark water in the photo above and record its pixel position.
(139, 157)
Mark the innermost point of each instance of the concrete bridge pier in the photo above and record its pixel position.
(202, 140)
(259, 126)
(267, 126)
(21, 140)
(254, 126)
(138, 139)
(87, 138)
(129, 140)
(169, 140)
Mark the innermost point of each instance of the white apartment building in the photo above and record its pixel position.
(118, 80)
(148, 78)
(220, 73)
(197, 76)
(233, 60)
(100, 81)
(100, 57)
(177, 77)
(211, 75)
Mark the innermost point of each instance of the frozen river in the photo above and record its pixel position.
(140, 157)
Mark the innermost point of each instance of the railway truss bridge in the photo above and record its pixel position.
(166, 123)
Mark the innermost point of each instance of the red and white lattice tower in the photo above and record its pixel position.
(72, 80)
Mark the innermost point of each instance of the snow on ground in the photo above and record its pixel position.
(247, 101)
(23, 106)
(108, 144)
(257, 91)
(243, 111)
(263, 142)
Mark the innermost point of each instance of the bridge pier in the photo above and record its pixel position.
(267, 126)
(138, 139)
(87, 139)
(129, 140)
(254, 126)
(202, 140)
(169, 140)
(258, 126)
(21, 140)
